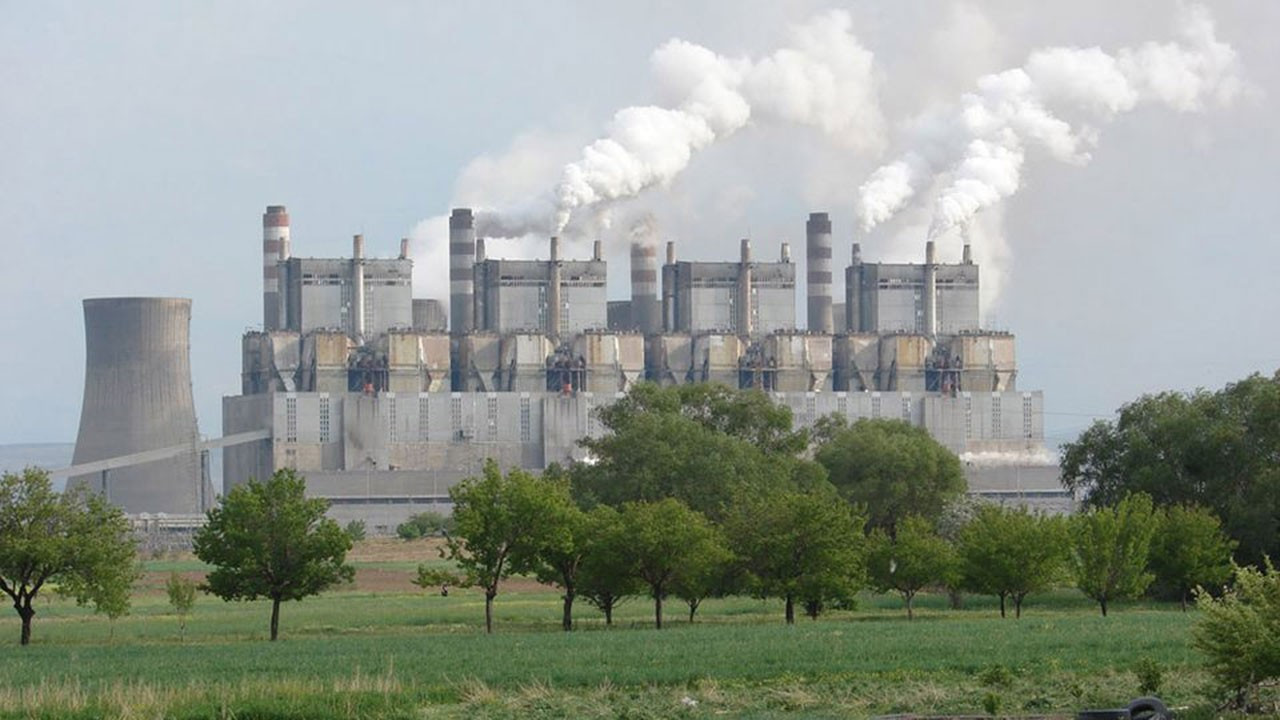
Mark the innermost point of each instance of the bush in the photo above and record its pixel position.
(1150, 676)
(1239, 633)
(424, 524)
(356, 530)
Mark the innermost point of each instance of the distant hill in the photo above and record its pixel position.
(13, 458)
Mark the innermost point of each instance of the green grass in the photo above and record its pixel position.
(353, 654)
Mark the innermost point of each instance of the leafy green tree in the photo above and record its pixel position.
(268, 539)
(1109, 549)
(910, 561)
(654, 456)
(559, 561)
(1189, 550)
(1212, 449)
(501, 524)
(115, 599)
(1239, 633)
(748, 415)
(74, 540)
(892, 468)
(604, 578)
(666, 539)
(1011, 553)
(182, 597)
(799, 547)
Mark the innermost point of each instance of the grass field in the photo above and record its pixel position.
(384, 649)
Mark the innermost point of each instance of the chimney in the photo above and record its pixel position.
(968, 254)
(853, 292)
(744, 291)
(479, 249)
(597, 251)
(644, 288)
(930, 290)
(669, 289)
(404, 248)
(553, 290)
(462, 251)
(357, 288)
(786, 252)
(818, 258)
(275, 243)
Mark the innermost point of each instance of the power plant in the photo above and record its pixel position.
(383, 403)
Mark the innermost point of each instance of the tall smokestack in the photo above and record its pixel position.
(968, 254)
(744, 290)
(597, 251)
(275, 243)
(786, 252)
(553, 290)
(853, 292)
(357, 288)
(669, 289)
(818, 256)
(644, 287)
(137, 397)
(462, 250)
(930, 290)
(404, 248)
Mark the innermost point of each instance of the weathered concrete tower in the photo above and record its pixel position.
(818, 256)
(137, 397)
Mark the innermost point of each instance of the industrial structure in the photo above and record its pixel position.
(383, 405)
(138, 403)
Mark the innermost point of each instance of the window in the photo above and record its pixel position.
(291, 419)
(324, 418)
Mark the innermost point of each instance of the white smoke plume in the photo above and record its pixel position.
(825, 79)
(975, 151)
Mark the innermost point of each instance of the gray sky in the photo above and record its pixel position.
(140, 143)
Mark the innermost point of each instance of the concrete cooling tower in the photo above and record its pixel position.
(137, 398)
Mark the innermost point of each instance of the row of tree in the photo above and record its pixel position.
(807, 547)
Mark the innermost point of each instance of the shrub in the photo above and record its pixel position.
(1239, 633)
(424, 524)
(356, 530)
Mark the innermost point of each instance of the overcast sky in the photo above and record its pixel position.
(140, 142)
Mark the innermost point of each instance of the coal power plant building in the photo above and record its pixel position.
(383, 400)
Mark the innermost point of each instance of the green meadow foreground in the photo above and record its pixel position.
(382, 648)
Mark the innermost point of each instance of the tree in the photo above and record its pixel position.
(1239, 634)
(1190, 550)
(1109, 548)
(910, 561)
(604, 578)
(501, 523)
(75, 540)
(748, 415)
(665, 539)
(267, 539)
(182, 597)
(1010, 553)
(1212, 449)
(892, 468)
(799, 547)
(559, 561)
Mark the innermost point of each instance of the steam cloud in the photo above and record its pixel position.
(824, 79)
(975, 152)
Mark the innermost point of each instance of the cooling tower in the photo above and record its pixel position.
(137, 397)
(818, 255)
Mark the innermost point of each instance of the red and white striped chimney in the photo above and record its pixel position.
(275, 243)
